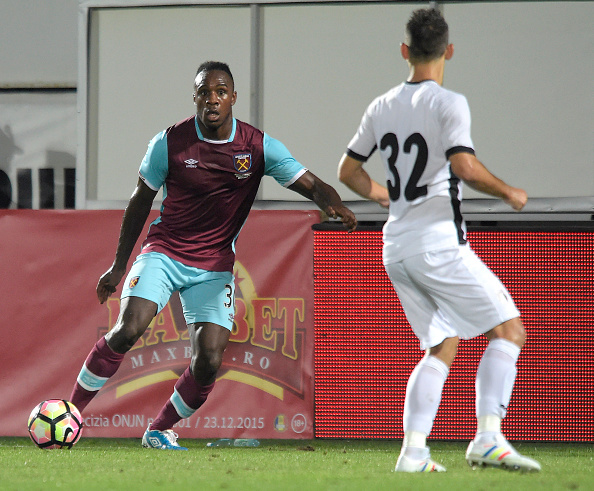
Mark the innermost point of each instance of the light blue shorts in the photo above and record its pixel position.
(206, 296)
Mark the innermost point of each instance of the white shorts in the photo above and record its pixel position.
(450, 293)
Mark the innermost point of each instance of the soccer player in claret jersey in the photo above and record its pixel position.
(423, 133)
(210, 166)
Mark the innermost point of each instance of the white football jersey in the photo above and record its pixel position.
(416, 127)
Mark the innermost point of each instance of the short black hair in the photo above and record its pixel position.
(209, 66)
(427, 35)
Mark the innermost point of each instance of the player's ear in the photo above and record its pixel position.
(449, 52)
(234, 98)
(404, 51)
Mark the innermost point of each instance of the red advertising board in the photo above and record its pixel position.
(361, 329)
(50, 319)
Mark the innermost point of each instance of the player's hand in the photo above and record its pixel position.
(516, 198)
(108, 283)
(384, 203)
(346, 215)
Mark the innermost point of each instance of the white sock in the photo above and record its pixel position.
(488, 427)
(423, 395)
(414, 445)
(495, 379)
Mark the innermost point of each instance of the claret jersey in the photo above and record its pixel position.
(208, 189)
(417, 127)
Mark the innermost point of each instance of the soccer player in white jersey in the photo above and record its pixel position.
(423, 134)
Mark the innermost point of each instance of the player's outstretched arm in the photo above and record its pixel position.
(468, 168)
(325, 196)
(133, 222)
(352, 175)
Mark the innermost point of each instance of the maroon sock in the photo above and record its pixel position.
(101, 364)
(192, 396)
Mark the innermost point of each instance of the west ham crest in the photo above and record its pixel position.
(242, 162)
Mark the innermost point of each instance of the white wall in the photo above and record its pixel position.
(525, 67)
(323, 64)
(527, 71)
(37, 135)
(39, 43)
(38, 118)
(144, 64)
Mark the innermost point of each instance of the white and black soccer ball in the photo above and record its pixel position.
(55, 423)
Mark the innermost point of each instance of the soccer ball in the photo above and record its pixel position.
(55, 423)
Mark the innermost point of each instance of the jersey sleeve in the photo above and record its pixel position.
(456, 125)
(363, 144)
(279, 163)
(155, 164)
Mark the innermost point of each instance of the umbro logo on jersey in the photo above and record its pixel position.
(191, 163)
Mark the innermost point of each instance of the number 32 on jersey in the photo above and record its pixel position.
(411, 191)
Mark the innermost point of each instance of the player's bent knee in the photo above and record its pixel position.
(122, 339)
(206, 364)
(445, 351)
(135, 316)
(512, 330)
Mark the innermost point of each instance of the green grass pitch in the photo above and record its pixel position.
(114, 464)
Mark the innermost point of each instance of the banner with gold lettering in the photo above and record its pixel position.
(51, 318)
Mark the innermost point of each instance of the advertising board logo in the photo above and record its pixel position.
(265, 350)
(279, 423)
(298, 423)
(267, 342)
